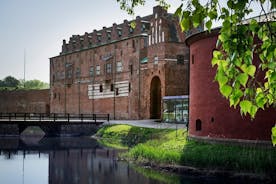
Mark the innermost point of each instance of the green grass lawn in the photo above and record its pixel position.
(166, 146)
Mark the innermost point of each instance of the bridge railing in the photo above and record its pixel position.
(54, 116)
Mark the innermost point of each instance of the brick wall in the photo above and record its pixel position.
(21, 101)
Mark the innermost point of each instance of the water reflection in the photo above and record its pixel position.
(80, 161)
(90, 166)
(63, 160)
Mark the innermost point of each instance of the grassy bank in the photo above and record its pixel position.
(155, 146)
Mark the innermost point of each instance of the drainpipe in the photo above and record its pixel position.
(189, 65)
(79, 94)
(114, 84)
(139, 81)
(93, 81)
(65, 95)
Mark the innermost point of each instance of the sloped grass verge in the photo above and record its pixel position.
(166, 146)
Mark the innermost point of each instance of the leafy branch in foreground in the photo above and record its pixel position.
(247, 84)
(129, 5)
(251, 86)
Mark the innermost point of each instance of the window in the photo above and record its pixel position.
(155, 60)
(180, 59)
(108, 68)
(119, 66)
(133, 44)
(119, 33)
(69, 74)
(91, 71)
(99, 38)
(101, 88)
(143, 27)
(129, 87)
(108, 36)
(131, 69)
(98, 70)
(130, 30)
(146, 42)
(78, 73)
(198, 125)
(117, 91)
(111, 87)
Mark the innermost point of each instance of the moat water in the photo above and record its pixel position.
(77, 161)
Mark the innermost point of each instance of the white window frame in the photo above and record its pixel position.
(119, 66)
(155, 60)
(98, 70)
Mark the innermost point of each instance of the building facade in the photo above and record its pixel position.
(121, 70)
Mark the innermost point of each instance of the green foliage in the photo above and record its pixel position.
(35, 84)
(238, 77)
(273, 136)
(11, 83)
(172, 147)
(125, 136)
(129, 6)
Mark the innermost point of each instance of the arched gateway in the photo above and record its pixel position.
(155, 98)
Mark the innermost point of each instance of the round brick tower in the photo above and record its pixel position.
(211, 117)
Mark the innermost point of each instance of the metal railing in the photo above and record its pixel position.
(53, 117)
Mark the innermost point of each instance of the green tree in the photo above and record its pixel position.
(250, 86)
(10, 81)
(35, 84)
(1, 83)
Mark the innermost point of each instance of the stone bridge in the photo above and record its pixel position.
(13, 124)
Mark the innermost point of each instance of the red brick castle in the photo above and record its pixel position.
(121, 70)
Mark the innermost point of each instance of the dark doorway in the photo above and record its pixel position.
(155, 98)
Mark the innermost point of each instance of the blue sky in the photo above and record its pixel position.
(39, 26)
